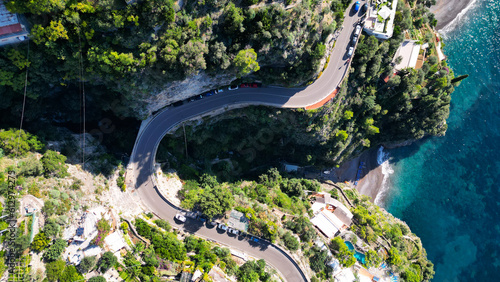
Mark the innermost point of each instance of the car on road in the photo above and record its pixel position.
(212, 223)
(177, 104)
(191, 214)
(233, 231)
(180, 217)
(354, 40)
(222, 226)
(254, 85)
(220, 90)
(357, 31)
(350, 51)
(356, 6)
(232, 87)
(364, 8)
(244, 85)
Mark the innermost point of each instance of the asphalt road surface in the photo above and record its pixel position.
(143, 156)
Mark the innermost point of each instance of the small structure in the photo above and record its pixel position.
(12, 30)
(290, 167)
(239, 255)
(92, 251)
(330, 216)
(196, 275)
(408, 51)
(380, 18)
(238, 220)
(115, 242)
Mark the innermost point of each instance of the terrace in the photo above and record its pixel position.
(380, 18)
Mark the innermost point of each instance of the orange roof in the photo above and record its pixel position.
(13, 28)
(324, 101)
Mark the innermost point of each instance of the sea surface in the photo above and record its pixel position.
(448, 188)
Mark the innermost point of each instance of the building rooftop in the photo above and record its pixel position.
(115, 241)
(408, 51)
(7, 18)
(238, 220)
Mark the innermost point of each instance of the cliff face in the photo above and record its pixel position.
(183, 89)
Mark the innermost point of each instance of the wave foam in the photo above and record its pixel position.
(453, 24)
(383, 161)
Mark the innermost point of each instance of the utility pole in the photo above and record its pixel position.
(185, 140)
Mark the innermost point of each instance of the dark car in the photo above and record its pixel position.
(354, 40)
(364, 8)
(254, 85)
(198, 97)
(178, 103)
(356, 6)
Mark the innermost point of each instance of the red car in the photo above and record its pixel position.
(254, 85)
(244, 85)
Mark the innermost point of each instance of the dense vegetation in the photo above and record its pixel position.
(374, 106)
(127, 53)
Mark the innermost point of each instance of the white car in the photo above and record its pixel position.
(233, 231)
(357, 31)
(222, 226)
(180, 217)
(351, 50)
(232, 87)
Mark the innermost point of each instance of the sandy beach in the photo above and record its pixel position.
(447, 10)
(370, 177)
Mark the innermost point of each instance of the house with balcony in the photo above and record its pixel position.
(12, 27)
(380, 18)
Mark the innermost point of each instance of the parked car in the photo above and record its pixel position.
(233, 231)
(232, 87)
(354, 40)
(178, 103)
(254, 85)
(198, 97)
(212, 223)
(364, 8)
(220, 90)
(351, 50)
(244, 85)
(222, 226)
(192, 215)
(357, 31)
(180, 217)
(356, 6)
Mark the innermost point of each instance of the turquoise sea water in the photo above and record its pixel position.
(448, 189)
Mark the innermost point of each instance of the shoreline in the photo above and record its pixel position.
(448, 11)
(371, 178)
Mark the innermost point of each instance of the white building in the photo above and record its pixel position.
(408, 51)
(380, 18)
(12, 30)
(115, 242)
(330, 215)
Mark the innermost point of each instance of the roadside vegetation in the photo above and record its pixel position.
(278, 209)
(374, 106)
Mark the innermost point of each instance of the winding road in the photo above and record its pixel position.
(141, 165)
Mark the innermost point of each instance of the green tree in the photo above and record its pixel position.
(372, 259)
(233, 20)
(35, 7)
(245, 62)
(13, 142)
(394, 257)
(107, 261)
(87, 264)
(216, 201)
(55, 250)
(51, 228)
(31, 167)
(40, 242)
(342, 135)
(97, 279)
(290, 241)
(191, 56)
(54, 269)
(54, 164)
(70, 274)
(348, 115)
